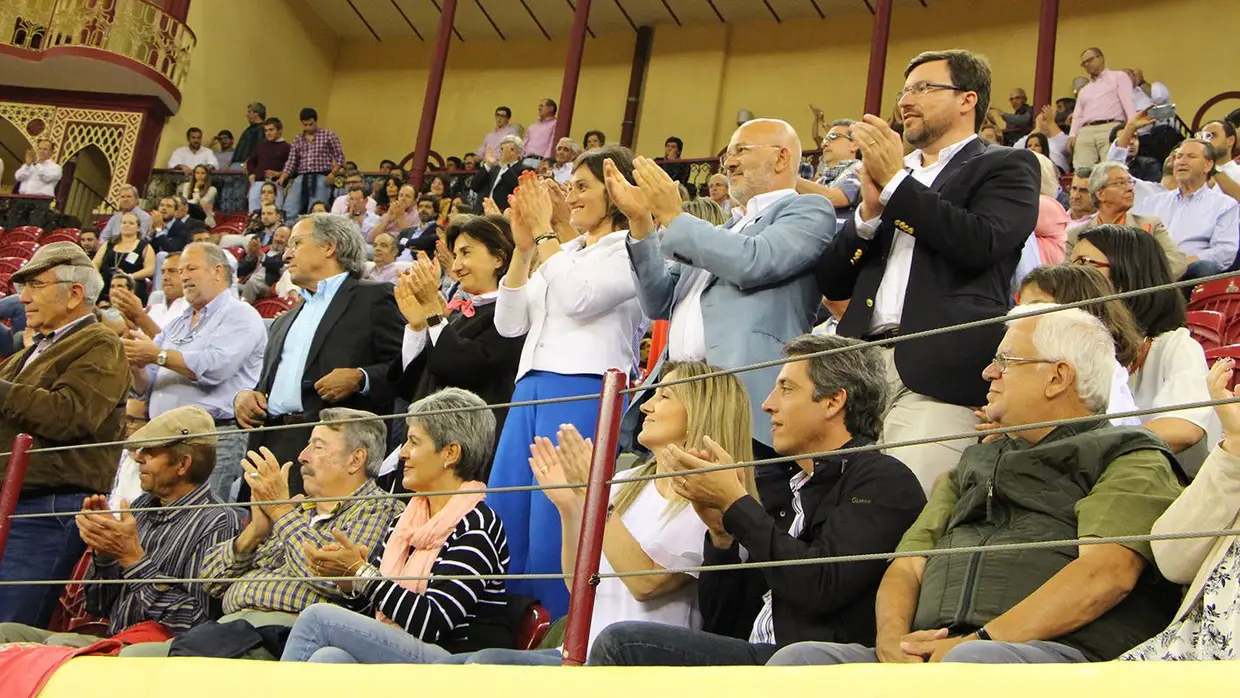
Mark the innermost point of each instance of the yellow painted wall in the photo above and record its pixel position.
(276, 52)
(699, 76)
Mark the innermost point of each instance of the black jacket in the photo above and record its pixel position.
(969, 228)
(272, 263)
(175, 239)
(854, 504)
(507, 183)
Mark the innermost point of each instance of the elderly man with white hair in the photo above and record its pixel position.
(566, 151)
(733, 294)
(1085, 479)
(497, 178)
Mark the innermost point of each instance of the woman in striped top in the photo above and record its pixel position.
(415, 620)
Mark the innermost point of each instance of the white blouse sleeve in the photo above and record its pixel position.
(512, 310)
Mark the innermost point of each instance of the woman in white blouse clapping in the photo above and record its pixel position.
(580, 314)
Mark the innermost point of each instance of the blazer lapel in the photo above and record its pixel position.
(275, 344)
(335, 311)
(975, 147)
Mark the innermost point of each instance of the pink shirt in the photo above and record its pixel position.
(1051, 230)
(540, 139)
(493, 138)
(1107, 97)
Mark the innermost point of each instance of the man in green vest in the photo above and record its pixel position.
(1081, 480)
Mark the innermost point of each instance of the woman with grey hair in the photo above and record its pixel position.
(413, 619)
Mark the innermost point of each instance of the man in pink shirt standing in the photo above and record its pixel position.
(503, 127)
(540, 135)
(1101, 104)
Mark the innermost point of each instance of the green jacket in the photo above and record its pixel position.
(1013, 492)
(72, 393)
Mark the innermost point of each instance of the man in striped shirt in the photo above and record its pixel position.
(341, 460)
(152, 544)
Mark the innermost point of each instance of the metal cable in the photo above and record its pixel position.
(973, 435)
(830, 560)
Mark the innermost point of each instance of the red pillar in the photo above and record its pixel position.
(572, 70)
(641, 60)
(878, 57)
(430, 103)
(12, 489)
(1044, 77)
(594, 519)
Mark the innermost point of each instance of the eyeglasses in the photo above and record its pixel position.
(38, 285)
(1086, 261)
(918, 89)
(1125, 182)
(836, 135)
(1004, 362)
(738, 150)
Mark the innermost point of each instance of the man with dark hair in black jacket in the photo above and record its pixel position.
(842, 505)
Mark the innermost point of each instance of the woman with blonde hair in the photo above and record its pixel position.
(706, 209)
(649, 526)
(1052, 226)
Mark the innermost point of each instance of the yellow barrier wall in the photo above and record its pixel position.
(99, 677)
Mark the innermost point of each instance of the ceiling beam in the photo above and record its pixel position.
(359, 16)
(408, 21)
(440, 11)
(626, 14)
(868, 6)
(817, 9)
(772, 11)
(573, 7)
(673, 14)
(492, 22)
(536, 22)
(716, 11)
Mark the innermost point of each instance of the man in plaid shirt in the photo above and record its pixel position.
(313, 163)
(341, 460)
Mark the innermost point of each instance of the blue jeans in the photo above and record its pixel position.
(1202, 267)
(11, 309)
(329, 634)
(255, 196)
(228, 454)
(502, 657)
(296, 202)
(46, 548)
(635, 643)
(978, 652)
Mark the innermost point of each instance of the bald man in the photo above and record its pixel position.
(734, 294)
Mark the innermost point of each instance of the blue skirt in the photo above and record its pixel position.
(531, 521)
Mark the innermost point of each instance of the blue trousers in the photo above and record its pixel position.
(255, 196)
(11, 309)
(530, 519)
(46, 548)
(329, 634)
(303, 192)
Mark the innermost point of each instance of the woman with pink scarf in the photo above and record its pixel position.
(411, 619)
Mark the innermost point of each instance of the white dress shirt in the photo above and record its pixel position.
(889, 301)
(579, 312)
(189, 158)
(161, 312)
(39, 179)
(341, 204)
(563, 174)
(686, 331)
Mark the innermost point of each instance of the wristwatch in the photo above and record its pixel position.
(432, 320)
(162, 358)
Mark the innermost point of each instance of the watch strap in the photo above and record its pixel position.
(433, 320)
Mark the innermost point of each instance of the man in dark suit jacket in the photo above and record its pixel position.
(934, 243)
(498, 176)
(332, 350)
(178, 230)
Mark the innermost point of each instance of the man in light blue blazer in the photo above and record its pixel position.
(733, 294)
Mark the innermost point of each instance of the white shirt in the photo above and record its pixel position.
(341, 204)
(763, 632)
(414, 343)
(1121, 399)
(1231, 168)
(563, 174)
(185, 156)
(579, 312)
(161, 313)
(686, 332)
(1174, 373)
(1059, 150)
(39, 179)
(889, 300)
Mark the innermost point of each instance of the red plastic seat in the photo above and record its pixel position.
(1207, 327)
(19, 248)
(271, 307)
(223, 230)
(534, 627)
(5, 286)
(237, 251)
(70, 615)
(23, 234)
(11, 264)
(61, 235)
(1222, 295)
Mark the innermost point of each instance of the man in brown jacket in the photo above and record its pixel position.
(67, 388)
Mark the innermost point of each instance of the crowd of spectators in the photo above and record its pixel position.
(406, 315)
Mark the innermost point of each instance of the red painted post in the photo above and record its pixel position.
(878, 57)
(637, 77)
(1044, 77)
(12, 488)
(572, 70)
(594, 518)
(434, 84)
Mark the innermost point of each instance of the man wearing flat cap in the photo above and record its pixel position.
(67, 388)
(175, 454)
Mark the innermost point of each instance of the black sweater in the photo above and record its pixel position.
(855, 504)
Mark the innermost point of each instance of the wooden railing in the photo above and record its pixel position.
(134, 29)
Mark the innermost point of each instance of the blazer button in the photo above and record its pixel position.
(782, 513)
(869, 302)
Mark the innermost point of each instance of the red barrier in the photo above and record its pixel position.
(12, 488)
(594, 519)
